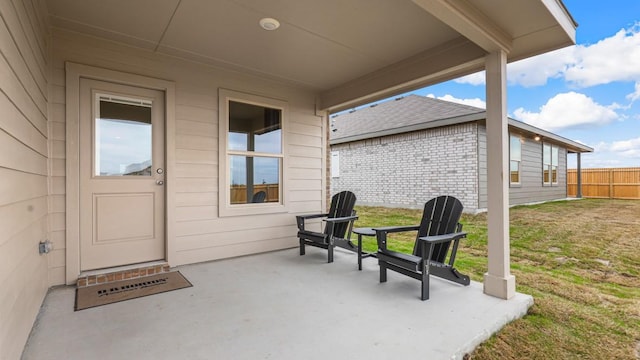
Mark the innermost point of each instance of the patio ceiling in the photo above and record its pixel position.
(350, 52)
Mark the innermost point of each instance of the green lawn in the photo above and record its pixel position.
(580, 260)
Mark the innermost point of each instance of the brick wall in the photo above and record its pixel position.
(406, 170)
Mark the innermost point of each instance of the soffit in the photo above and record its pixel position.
(534, 26)
(320, 44)
(137, 22)
(348, 51)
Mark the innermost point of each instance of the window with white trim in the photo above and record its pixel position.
(549, 164)
(335, 164)
(251, 154)
(515, 158)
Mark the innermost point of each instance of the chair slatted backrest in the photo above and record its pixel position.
(259, 197)
(342, 205)
(440, 216)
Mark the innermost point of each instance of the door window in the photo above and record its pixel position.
(122, 137)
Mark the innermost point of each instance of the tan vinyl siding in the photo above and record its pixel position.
(57, 192)
(24, 161)
(200, 235)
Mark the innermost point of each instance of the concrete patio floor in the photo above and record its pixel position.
(277, 305)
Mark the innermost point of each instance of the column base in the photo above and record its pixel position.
(500, 287)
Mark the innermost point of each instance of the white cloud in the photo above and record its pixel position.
(612, 59)
(595, 160)
(622, 153)
(477, 102)
(473, 79)
(568, 110)
(626, 148)
(636, 94)
(615, 58)
(535, 71)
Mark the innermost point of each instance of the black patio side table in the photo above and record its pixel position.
(361, 255)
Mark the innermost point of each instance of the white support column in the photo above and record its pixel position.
(498, 281)
(579, 175)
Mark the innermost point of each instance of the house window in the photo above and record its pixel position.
(251, 154)
(549, 164)
(335, 164)
(515, 157)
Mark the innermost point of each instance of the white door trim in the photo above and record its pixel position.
(73, 74)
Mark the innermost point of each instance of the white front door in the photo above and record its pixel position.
(122, 193)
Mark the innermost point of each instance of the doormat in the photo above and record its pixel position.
(108, 293)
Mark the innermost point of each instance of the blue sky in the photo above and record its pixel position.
(589, 93)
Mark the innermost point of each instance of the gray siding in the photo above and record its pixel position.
(24, 157)
(530, 189)
(406, 170)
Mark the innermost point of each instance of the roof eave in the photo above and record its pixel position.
(410, 128)
(572, 146)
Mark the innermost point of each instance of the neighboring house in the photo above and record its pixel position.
(405, 151)
(223, 108)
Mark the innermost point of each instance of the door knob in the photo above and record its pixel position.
(159, 182)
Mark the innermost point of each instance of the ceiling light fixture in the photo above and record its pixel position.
(269, 24)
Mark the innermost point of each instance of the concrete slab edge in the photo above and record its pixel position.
(524, 302)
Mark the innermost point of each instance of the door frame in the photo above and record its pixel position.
(74, 72)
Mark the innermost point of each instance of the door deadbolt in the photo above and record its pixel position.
(159, 171)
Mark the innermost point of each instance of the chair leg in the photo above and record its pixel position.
(302, 247)
(383, 271)
(425, 281)
(330, 253)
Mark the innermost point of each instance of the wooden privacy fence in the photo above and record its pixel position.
(239, 192)
(609, 183)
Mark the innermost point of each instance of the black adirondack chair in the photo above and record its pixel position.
(338, 224)
(438, 236)
(259, 197)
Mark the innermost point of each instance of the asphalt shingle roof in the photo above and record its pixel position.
(415, 112)
(395, 114)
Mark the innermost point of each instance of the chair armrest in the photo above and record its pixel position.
(381, 233)
(341, 219)
(311, 216)
(331, 222)
(437, 239)
(393, 229)
(301, 218)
